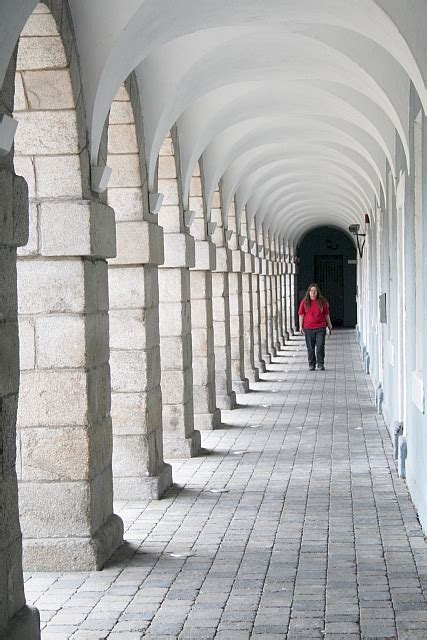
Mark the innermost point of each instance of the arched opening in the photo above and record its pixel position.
(328, 256)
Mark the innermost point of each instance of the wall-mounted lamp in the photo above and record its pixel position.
(155, 201)
(211, 228)
(100, 176)
(189, 217)
(354, 229)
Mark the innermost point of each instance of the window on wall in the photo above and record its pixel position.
(419, 306)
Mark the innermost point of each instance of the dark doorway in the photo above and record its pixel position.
(329, 275)
(328, 256)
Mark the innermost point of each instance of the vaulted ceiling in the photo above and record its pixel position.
(294, 105)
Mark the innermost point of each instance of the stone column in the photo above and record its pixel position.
(225, 396)
(17, 621)
(258, 358)
(179, 436)
(264, 317)
(66, 493)
(275, 304)
(269, 304)
(250, 369)
(139, 470)
(239, 380)
(206, 414)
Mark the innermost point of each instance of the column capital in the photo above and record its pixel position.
(139, 242)
(205, 256)
(223, 260)
(179, 250)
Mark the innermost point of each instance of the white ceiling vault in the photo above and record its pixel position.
(294, 105)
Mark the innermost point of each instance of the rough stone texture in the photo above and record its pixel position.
(17, 621)
(298, 528)
(251, 371)
(180, 438)
(238, 373)
(139, 470)
(206, 414)
(64, 408)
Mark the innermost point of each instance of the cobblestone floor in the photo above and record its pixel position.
(293, 525)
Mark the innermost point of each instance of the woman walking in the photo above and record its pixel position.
(314, 317)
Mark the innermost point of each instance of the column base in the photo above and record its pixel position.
(241, 386)
(226, 402)
(25, 625)
(74, 554)
(143, 487)
(207, 421)
(185, 448)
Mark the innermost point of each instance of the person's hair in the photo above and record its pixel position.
(320, 299)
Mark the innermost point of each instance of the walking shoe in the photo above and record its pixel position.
(320, 367)
(312, 367)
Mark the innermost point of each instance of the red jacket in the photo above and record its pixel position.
(314, 317)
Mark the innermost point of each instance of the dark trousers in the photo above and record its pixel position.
(315, 341)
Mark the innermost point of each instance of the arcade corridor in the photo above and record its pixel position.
(295, 526)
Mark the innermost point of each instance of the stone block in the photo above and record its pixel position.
(199, 338)
(41, 53)
(126, 171)
(128, 412)
(50, 286)
(54, 509)
(127, 203)
(20, 102)
(179, 250)
(130, 455)
(73, 553)
(171, 319)
(170, 285)
(173, 387)
(126, 287)
(122, 139)
(49, 397)
(204, 256)
(169, 188)
(198, 313)
(27, 347)
(121, 112)
(51, 332)
(128, 371)
(47, 132)
(170, 218)
(223, 258)
(60, 454)
(49, 89)
(127, 329)
(58, 176)
(138, 243)
(167, 168)
(167, 148)
(74, 228)
(173, 353)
